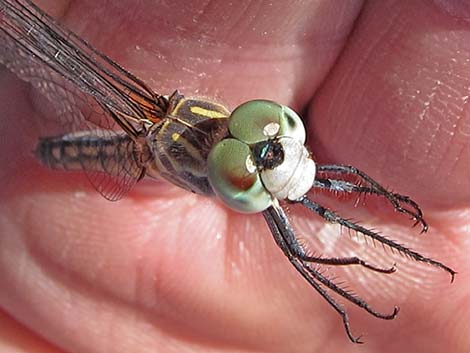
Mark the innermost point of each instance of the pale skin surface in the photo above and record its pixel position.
(167, 271)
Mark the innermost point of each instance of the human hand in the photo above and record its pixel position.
(164, 270)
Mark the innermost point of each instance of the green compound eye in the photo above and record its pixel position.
(259, 120)
(234, 177)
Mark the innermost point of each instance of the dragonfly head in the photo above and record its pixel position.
(263, 159)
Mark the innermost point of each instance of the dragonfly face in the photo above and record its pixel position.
(264, 159)
(254, 159)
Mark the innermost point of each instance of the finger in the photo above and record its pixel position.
(396, 106)
(229, 51)
(397, 102)
(15, 338)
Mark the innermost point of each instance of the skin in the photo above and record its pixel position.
(165, 270)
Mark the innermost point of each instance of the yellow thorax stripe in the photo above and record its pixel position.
(206, 112)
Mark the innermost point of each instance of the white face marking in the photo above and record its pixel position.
(271, 129)
(250, 165)
(294, 177)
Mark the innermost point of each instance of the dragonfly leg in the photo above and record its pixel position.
(332, 217)
(286, 239)
(398, 201)
(345, 261)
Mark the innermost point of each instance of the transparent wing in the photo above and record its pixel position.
(88, 91)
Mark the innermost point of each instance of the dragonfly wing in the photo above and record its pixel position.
(77, 108)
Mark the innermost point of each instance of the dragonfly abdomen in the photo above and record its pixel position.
(91, 151)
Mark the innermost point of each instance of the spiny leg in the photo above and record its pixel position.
(298, 252)
(332, 217)
(346, 186)
(289, 244)
(270, 217)
(299, 266)
(338, 185)
(301, 254)
(375, 188)
(345, 261)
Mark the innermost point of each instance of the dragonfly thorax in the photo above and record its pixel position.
(181, 142)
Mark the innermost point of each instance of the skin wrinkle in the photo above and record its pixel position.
(368, 114)
(449, 156)
(254, 9)
(457, 8)
(455, 133)
(346, 78)
(431, 143)
(356, 71)
(454, 165)
(30, 317)
(447, 152)
(14, 338)
(422, 116)
(394, 31)
(44, 260)
(428, 104)
(130, 305)
(439, 129)
(368, 119)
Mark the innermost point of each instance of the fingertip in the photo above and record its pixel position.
(396, 105)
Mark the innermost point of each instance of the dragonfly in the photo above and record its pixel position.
(254, 159)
